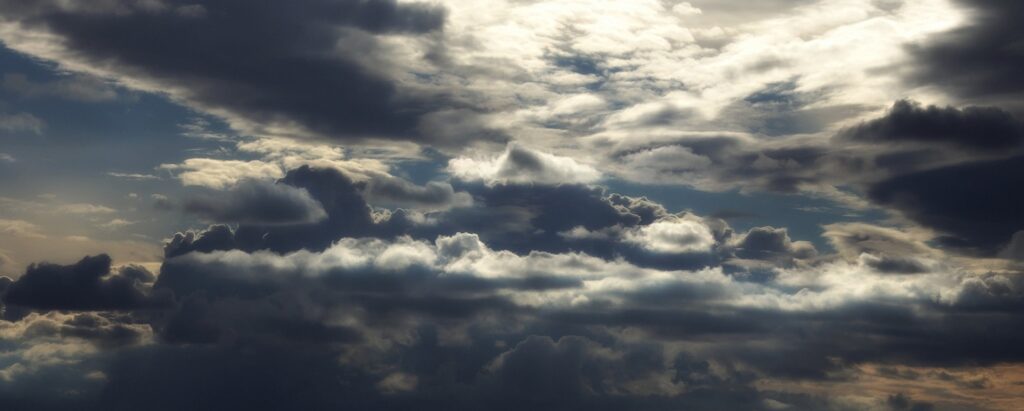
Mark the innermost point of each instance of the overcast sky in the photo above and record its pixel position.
(512, 205)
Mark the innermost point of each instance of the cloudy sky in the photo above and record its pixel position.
(512, 205)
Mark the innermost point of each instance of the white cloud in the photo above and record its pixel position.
(133, 176)
(219, 174)
(522, 165)
(674, 235)
(85, 208)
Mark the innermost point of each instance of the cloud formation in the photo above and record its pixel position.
(507, 205)
(258, 202)
(982, 128)
(341, 91)
(522, 165)
(84, 286)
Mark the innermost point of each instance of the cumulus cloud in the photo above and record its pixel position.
(674, 235)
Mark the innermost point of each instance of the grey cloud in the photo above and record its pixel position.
(105, 330)
(973, 204)
(981, 59)
(1015, 249)
(884, 249)
(215, 237)
(981, 128)
(286, 68)
(517, 217)
(348, 214)
(396, 192)
(85, 285)
(258, 202)
(772, 244)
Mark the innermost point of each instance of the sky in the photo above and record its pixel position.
(512, 205)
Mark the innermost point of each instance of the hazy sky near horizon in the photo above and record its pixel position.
(512, 204)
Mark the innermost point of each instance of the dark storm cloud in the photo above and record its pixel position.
(85, 285)
(262, 64)
(976, 205)
(257, 202)
(981, 128)
(982, 59)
